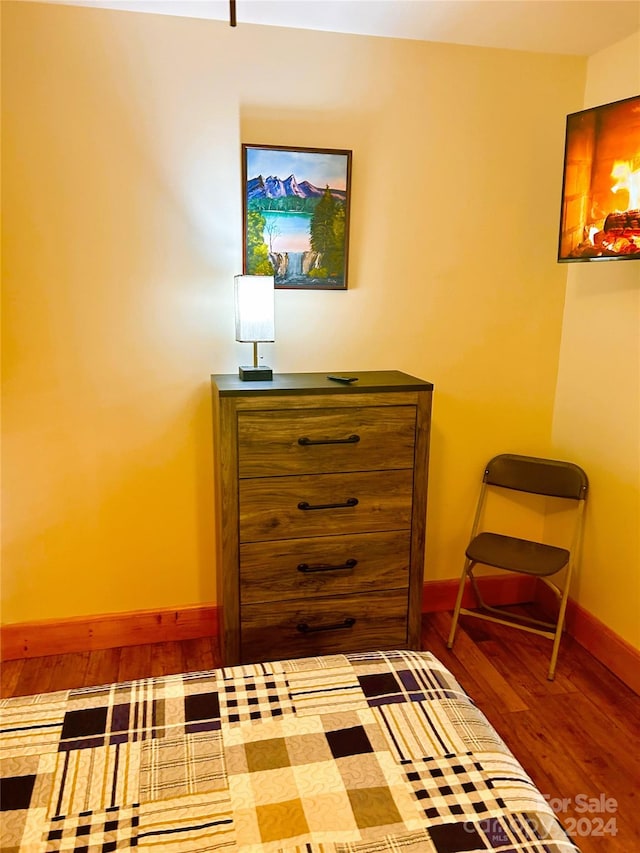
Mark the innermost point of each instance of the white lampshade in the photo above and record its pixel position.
(255, 308)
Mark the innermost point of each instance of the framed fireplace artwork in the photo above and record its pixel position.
(295, 207)
(600, 212)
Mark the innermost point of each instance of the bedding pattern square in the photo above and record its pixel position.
(378, 752)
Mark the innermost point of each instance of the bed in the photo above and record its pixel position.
(376, 752)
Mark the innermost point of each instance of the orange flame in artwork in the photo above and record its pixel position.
(627, 178)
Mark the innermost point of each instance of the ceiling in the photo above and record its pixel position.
(580, 27)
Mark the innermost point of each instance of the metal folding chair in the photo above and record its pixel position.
(553, 479)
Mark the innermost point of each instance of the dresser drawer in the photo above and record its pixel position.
(377, 620)
(324, 504)
(325, 565)
(303, 441)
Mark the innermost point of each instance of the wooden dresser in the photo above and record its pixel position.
(321, 506)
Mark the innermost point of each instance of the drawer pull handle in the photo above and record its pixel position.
(305, 441)
(305, 628)
(324, 567)
(306, 505)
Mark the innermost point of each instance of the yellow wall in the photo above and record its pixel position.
(122, 233)
(597, 412)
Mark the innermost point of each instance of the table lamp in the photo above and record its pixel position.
(255, 319)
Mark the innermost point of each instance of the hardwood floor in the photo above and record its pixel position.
(578, 736)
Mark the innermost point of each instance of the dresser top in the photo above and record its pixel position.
(230, 385)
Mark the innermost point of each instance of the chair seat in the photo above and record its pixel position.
(517, 555)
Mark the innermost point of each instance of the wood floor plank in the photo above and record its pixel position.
(68, 670)
(580, 769)
(579, 722)
(103, 667)
(525, 665)
(167, 659)
(9, 675)
(198, 655)
(497, 689)
(215, 651)
(608, 693)
(35, 676)
(135, 662)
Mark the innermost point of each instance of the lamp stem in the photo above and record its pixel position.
(255, 353)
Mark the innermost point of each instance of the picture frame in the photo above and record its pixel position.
(600, 208)
(295, 213)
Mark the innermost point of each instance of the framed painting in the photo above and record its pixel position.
(296, 215)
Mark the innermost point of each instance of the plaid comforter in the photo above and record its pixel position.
(380, 752)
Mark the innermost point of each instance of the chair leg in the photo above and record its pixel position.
(558, 635)
(456, 610)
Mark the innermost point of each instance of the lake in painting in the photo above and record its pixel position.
(287, 232)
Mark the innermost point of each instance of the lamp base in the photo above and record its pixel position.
(255, 374)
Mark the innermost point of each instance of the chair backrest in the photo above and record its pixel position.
(550, 477)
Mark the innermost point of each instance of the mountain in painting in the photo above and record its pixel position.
(275, 187)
